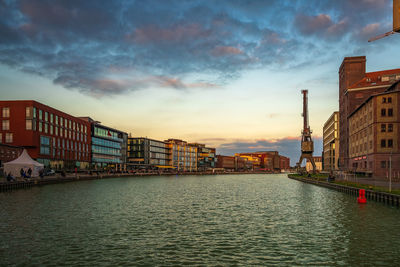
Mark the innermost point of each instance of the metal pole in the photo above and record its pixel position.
(390, 172)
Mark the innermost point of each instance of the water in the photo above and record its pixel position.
(225, 220)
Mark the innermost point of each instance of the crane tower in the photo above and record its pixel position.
(307, 144)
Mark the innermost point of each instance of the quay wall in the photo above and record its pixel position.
(386, 198)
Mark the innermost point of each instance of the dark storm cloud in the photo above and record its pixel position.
(289, 147)
(111, 47)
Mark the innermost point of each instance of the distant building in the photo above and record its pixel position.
(183, 156)
(206, 158)
(318, 164)
(355, 86)
(266, 160)
(147, 153)
(374, 129)
(331, 143)
(52, 137)
(226, 162)
(108, 146)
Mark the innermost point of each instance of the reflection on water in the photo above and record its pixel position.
(194, 220)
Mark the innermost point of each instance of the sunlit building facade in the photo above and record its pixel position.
(331, 143)
(183, 156)
(147, 153)
(108, 146)
(52, 137)
(206, 158)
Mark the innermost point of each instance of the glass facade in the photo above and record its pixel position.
(107, 145)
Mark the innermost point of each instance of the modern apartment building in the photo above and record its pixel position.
(374, 129)
(108, 146)
(52, 137)
(206, 158)
(147, 153)
(183, 156)
(355, 86)
(331, 143)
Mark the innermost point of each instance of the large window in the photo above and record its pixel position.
(390, 112)
(390, 142)
(383, 128)
(383, 112)
(28, 124)
(9, 137)
(44, 145)
(46, 116)
(390, 127)
(40, 114)
(5, 125)
(28, 112)
(383, 143)
(6, 112)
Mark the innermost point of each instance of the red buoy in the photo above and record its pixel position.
(361, 196)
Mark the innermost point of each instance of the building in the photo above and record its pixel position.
(331, 143)
(374, 129)
(355, 86)
(267, 160)
(183, 156)
(284, 163)
(52, 137)
(318, 164)
(147, 153)
(9, 153)
(226, 162)
(206, 158)
(108, 146)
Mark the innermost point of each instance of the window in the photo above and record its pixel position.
(46, 116)
(389, 100)
(383, 164)
(1, 138)
(51, 129)
(390, 143)
(9, 137)
(384, 100)
(383, 143)
(40, 126)
(28, 124)
(390, 127)
(6, 125)
(56, 130)
(6, 112)
(34, 112)
(390, 112)
(46, 128)
(56, 120)
(28, 112)
(51, 117)
(40, 114)
(383, 112)
(383, 128)
(44, 145)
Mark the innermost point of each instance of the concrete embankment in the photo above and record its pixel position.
(386, 198)
(27, 183)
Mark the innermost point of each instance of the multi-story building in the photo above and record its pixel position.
(183, 156)
(331, 143)
(268, 160)
(108, 146)
(284, 163)
(51, 137)
(318, 164)
(147, 153)
(355, 86)
(206, 158)
(374, 129)
(226, 162)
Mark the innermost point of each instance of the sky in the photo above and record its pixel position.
(226, 73)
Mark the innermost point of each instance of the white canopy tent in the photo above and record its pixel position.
(25, 162)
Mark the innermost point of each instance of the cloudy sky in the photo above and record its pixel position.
(225, 73)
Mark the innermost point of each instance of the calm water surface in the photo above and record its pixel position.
(225, 220)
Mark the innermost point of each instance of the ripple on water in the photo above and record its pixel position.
(247, 220)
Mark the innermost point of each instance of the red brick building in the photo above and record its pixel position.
(52, 137)
(226, 162)
(284, 163)
(355, 86)
(374, 130)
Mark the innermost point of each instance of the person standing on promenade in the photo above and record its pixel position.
(29, 172)
(22, 172)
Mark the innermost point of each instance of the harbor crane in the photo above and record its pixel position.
(307, 144)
